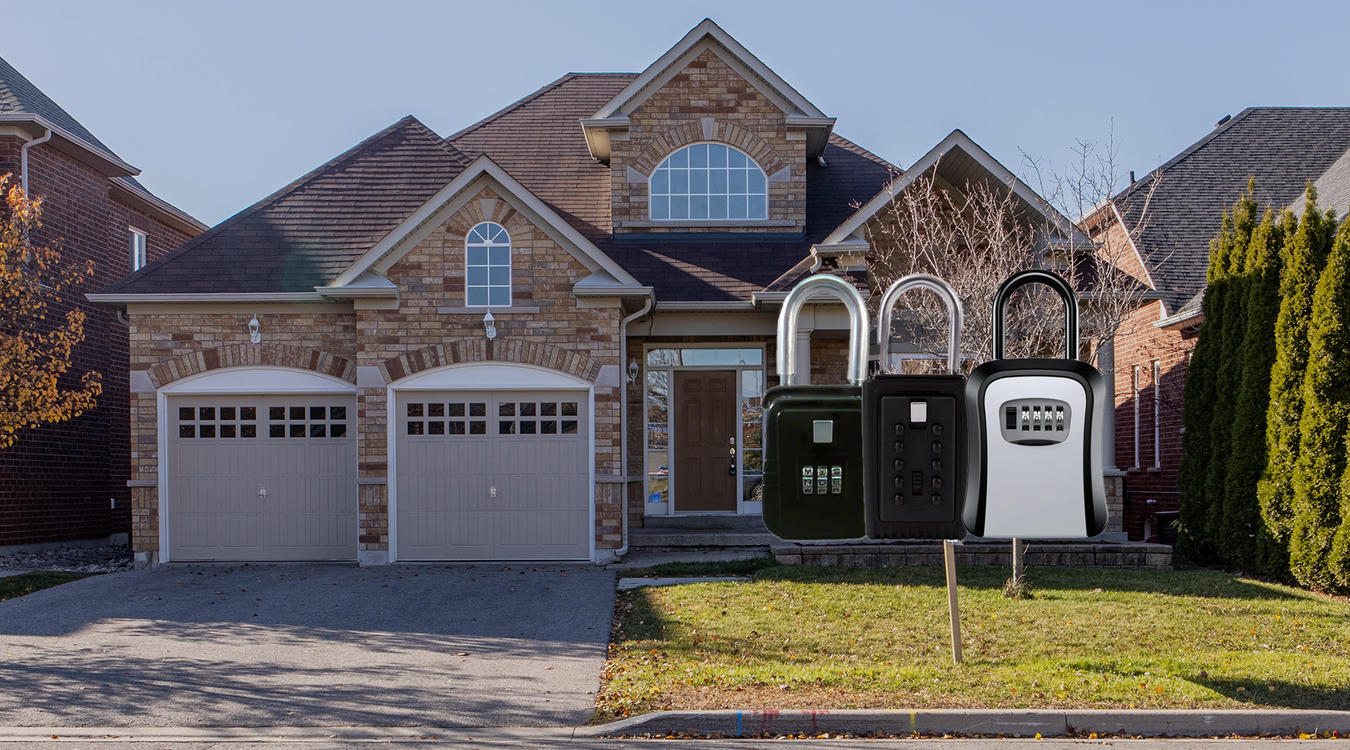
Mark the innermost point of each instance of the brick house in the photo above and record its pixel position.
(514, 342)
(1177, 210)
(67, 482)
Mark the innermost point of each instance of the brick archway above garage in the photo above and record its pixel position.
(498, 350)
(253, 355)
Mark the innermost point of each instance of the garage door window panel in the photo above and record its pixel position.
(208, 422)
(434, 419)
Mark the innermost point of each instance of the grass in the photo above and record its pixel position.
(809, 637)
(13, 587)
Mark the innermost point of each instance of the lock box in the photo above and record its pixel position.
(1034, 436)
(914, 464)
(813, 456)
(813, 468)
(914, 461)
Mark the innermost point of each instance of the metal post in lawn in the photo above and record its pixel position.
(949, 560)
(1017, 562)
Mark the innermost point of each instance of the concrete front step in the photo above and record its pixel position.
(710, 522)
(672, 538)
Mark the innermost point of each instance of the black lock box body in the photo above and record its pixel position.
(914, 465)
(810, 430)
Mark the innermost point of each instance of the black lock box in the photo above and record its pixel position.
(813, 462)
(914, 461)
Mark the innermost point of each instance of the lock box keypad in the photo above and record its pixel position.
(922, 459)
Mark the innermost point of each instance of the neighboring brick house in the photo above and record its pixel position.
(439, 348)
(1175, 212)
(68, 482)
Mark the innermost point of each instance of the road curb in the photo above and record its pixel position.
(510, 735)
(1182, 723)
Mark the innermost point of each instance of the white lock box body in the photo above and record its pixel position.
(1035, 483)
(1034, 442)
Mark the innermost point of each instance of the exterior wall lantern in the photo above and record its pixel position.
(632, 371)
(490, 326)
(254, 334)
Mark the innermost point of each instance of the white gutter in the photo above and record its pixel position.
(623, 412)
(122, 299)
(23, 159)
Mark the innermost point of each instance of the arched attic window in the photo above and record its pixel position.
(709, 181)
(487, 266)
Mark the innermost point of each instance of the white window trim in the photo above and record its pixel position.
(1157, 432)
(510, 268)
(727, 222)
(139, 248)
(1134, 391)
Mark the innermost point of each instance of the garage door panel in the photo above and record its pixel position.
(262, 477)
(533, 448)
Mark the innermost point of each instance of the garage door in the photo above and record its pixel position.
(262, 477)
(501, 475)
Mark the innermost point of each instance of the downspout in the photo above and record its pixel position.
(623, 412)
(23, 160)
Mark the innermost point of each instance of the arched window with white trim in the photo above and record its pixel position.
(709, 181)
(487, 266)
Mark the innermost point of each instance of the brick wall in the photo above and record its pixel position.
(415, 337)
(57, 482)
(741, 117)
(1138, 345)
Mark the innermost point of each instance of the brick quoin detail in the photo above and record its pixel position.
(723, 132)
(499, 350)
(246, 355)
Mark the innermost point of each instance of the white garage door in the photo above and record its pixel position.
(501, 475)
(262, 477)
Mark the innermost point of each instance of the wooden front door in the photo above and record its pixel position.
(705, 428)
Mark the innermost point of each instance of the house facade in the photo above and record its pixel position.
(1168, 219)
(67, 482)
(514, 342)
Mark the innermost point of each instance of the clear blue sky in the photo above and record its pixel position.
(222, 103)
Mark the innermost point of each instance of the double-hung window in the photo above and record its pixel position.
(487, 267)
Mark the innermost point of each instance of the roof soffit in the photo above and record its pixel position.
(482, 173)
(959, 143)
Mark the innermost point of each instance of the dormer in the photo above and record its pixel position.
(707, 139)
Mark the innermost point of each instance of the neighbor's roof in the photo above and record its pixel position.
(19, 96)
(307, 233)
(1282, 148)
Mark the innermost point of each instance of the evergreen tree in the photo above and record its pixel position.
(1198, 404)
(1228, 371)
(1326, 409)
(1303, 257)
(1248, 543)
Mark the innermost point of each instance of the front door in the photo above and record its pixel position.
(705, 440)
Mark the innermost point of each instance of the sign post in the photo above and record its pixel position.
(949, 560)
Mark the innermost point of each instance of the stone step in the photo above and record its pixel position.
(720, 522)
(648, 538)
(1090, 554)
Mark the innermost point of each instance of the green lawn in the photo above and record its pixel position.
(13, 587)
(810, 637)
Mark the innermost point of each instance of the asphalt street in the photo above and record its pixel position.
(309, 645)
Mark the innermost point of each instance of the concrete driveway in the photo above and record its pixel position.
(309, 645)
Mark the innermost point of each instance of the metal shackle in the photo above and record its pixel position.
(1035, 276)
(857, 326)
(955, 316)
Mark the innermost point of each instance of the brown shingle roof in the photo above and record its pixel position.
(307, 233)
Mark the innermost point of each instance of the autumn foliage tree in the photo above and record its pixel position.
(35, 346)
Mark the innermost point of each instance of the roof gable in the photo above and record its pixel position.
(801, 114)
(483, 172)
(957, 161)
(709, 36)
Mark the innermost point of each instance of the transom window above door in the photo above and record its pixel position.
(709, 181)
(487, 266)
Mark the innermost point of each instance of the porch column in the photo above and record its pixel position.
(803, 374)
